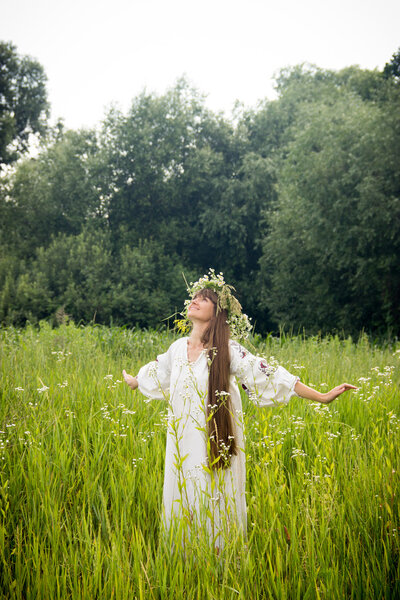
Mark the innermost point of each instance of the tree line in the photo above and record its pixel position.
(296, 200)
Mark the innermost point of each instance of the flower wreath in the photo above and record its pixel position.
(239, 323)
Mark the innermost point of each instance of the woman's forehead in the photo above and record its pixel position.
(199, 295)
(205, 294)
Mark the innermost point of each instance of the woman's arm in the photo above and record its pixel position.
(306, 392)
(130, 380)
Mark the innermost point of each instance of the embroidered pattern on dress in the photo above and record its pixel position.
(242, 352)
(266, 368)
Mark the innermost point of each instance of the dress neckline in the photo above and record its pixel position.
(193, 362)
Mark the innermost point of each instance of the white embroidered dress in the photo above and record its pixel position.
(191, 491)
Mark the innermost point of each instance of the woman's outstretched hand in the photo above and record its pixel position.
(130, 380)
(306, 392)
(336, 391)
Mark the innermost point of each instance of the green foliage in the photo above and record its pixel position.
(78, 275)
(150, 286)
(331, 247)
(144, 156)
(392, 68)
(72, 272)
(296, 201)
(55, 193)
(23, 102)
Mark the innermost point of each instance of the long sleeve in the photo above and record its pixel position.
(154, 378)
(266, 385)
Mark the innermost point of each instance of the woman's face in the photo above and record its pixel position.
(201, 309)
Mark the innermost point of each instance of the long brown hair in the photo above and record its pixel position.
(220, 424)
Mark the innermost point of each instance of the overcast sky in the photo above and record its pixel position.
(98, 52)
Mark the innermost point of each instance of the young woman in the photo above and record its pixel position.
(204, 479)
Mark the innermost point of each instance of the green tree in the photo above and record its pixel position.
(296, 201)
(73, 272)
(392, 68)
(148, 285)
(23, 102)
(144, 157)
(54, 193)
(330, 255)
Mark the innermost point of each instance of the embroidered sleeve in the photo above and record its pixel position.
(154, 378)
(266, 384)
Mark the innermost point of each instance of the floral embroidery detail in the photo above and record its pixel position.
(242, 352)
(266, 369)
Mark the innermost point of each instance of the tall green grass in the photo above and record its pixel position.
(81, 471)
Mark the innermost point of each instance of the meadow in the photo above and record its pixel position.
(81, 472)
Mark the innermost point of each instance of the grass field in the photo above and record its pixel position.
(81, 471)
